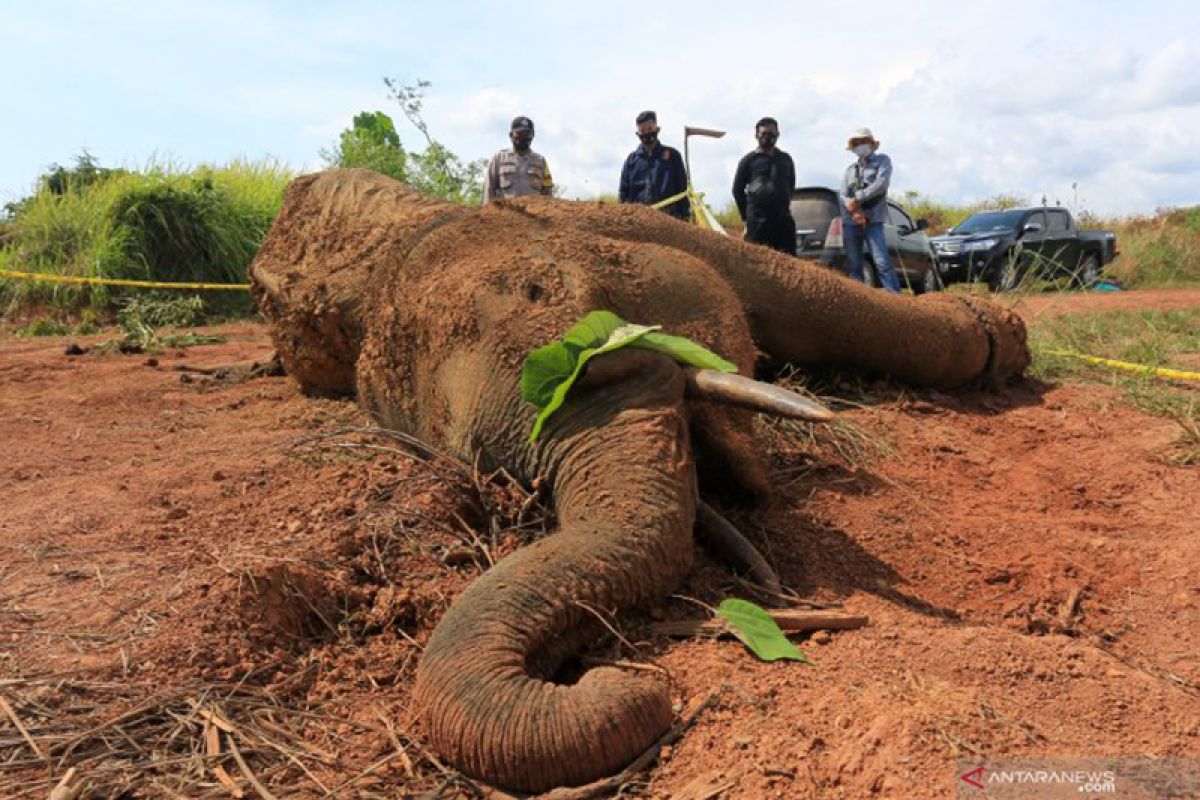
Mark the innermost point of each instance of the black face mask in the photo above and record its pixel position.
(648, 138)
(767, 140)
(523, 143)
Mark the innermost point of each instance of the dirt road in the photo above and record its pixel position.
(1027, 561)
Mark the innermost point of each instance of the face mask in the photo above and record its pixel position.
(767, 140)
(522, 143)
(648, 138)
(862, 150)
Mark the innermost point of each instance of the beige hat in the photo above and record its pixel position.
(862, 133)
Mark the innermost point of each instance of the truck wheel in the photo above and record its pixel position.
(930, 282)
(1007, 277)
(1088, 272)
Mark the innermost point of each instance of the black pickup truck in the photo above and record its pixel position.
(1007, 248)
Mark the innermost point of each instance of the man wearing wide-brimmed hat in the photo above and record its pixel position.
(864, 208)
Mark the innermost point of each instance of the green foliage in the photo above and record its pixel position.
(44, 326)
(1158, 251)
(728, 215)
(440, 173)
(58, 180)
(1149, 338)
(755, 628)
(160, 223)
(372, 143)
(143, 315)
(437, 171)
(549, 372)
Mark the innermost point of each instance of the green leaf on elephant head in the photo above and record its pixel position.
(685, 351)
(621, 336)
(549, 372)
(544, 370)
(593, 330)
(758, 631)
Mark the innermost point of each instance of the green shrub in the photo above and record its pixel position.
(162, 223)
(44, 327)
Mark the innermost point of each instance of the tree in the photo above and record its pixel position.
(437, 171)
(371, 142)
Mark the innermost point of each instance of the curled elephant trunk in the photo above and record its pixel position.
(624, 490)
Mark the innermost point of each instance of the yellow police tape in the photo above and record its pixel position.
(1125, 365)
(672, 199)
(48, 278)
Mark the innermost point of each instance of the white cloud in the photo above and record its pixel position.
(969, 99)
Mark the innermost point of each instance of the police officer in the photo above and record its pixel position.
(517, 171)
(762, 189)
(654, 172)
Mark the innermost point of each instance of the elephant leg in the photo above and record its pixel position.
(807, 314)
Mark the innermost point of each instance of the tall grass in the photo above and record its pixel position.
(1158, 251)
(163, 222)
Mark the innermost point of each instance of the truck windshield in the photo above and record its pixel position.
(988, 222)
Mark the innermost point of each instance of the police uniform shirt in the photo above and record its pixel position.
(512, 174)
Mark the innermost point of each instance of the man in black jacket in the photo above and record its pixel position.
(654, 172)
(762, 189)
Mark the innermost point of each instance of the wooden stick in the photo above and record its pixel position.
(64, 790)
(788, 620)
(12, 714)
(245, 768)
(212, 747)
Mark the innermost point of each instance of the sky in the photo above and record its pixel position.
(1092, 104)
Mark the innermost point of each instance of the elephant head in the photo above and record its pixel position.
(427, 310)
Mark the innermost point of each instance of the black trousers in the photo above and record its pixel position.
(777, 232)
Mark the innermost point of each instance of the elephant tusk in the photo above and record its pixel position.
(738, 390)
(719, 536)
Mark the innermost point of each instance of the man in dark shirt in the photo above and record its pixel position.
(762, 189)
(654, 172)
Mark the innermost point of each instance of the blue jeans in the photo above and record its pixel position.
(853, 236)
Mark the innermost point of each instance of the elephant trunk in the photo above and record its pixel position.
(623, 480)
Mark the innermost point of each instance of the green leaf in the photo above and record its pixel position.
(549, 372)
(618, 337)
(758, 631)
(544, 369)
(593, 330)
(685, 351)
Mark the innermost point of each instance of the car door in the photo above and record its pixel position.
(1061, 247)
(1031, 241)
(897, 226)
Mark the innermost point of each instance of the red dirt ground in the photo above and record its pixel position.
(164, 542)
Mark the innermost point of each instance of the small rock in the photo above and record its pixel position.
(185, 378)
(294, 526)
(151, 362)
(219, 476)
(458, 556)
(74, 350)
(822, 637)
(177, 512)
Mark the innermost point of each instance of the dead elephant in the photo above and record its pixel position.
(426, 311)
